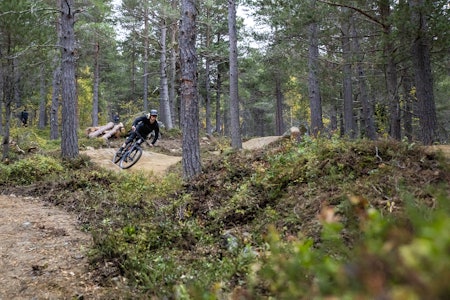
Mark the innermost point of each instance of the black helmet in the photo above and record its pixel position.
(153, 112)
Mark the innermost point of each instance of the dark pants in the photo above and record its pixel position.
(132, 136)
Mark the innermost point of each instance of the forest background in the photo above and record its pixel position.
(339, 216)
(378, 68)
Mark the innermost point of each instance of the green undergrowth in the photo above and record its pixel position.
(308, 220)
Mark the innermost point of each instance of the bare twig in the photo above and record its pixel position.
(376, 154)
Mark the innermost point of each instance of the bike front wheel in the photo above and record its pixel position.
(130, 158)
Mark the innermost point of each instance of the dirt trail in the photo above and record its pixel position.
(42, 253)
(150, 161)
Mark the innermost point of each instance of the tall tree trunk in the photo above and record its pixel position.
(95, 109)
(423, 76)
(189, 97)
(173, 67)
(236, 141)
(56, 92)
(279, 125)
(391, 71)
(56, 84)
(16, 83)
(367, 111)
(208, 96)
(163, 84)
(218, 96)
(7, 71)
(1, 92)
(146, 45)
(408, 108)
(315, 100)
(133, 71)
(349, 119)
(333, 118)
(42, 100)
(207, 77)
(69, 138)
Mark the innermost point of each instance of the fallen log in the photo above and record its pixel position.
(114, 131)
(89, 130)
(101, 130)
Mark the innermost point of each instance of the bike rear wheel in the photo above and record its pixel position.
(130, 158)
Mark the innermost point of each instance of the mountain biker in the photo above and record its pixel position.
(144, 125)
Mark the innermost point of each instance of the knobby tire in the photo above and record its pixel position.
(130, 157)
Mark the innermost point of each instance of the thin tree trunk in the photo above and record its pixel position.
(349, 119)
(218, 96)
(164, 88)
(42, 100)
(367, 111)
(56, 85)
(208, 96)
(173, 67)
(7, 70)
(333, 119)
(69, 138)
(56, 92)
(16, 83)
(207, 75)
(391, 71)
(315, 100)
(423, 76)
(236, 141)
(95, 109)
(408, 108)
(1, 93)
(146, 45)
(279, 125)
(189, 97)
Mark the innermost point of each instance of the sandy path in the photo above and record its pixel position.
(150, 161)
(42, 252)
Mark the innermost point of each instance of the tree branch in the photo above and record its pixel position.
(367, 15)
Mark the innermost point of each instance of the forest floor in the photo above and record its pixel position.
(43, 252)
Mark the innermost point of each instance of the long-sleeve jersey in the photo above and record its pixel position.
(144, 127)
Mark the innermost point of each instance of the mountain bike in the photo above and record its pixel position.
(130, 154)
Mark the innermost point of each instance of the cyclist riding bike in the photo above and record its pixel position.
(144, 125)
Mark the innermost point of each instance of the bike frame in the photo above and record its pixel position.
(131, 153)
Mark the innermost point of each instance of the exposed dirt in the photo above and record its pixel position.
(43, 252)
(157, 163)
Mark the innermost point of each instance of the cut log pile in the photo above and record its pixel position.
(106, 131)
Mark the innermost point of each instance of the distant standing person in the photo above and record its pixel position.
(116, 118)
(24, 118)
